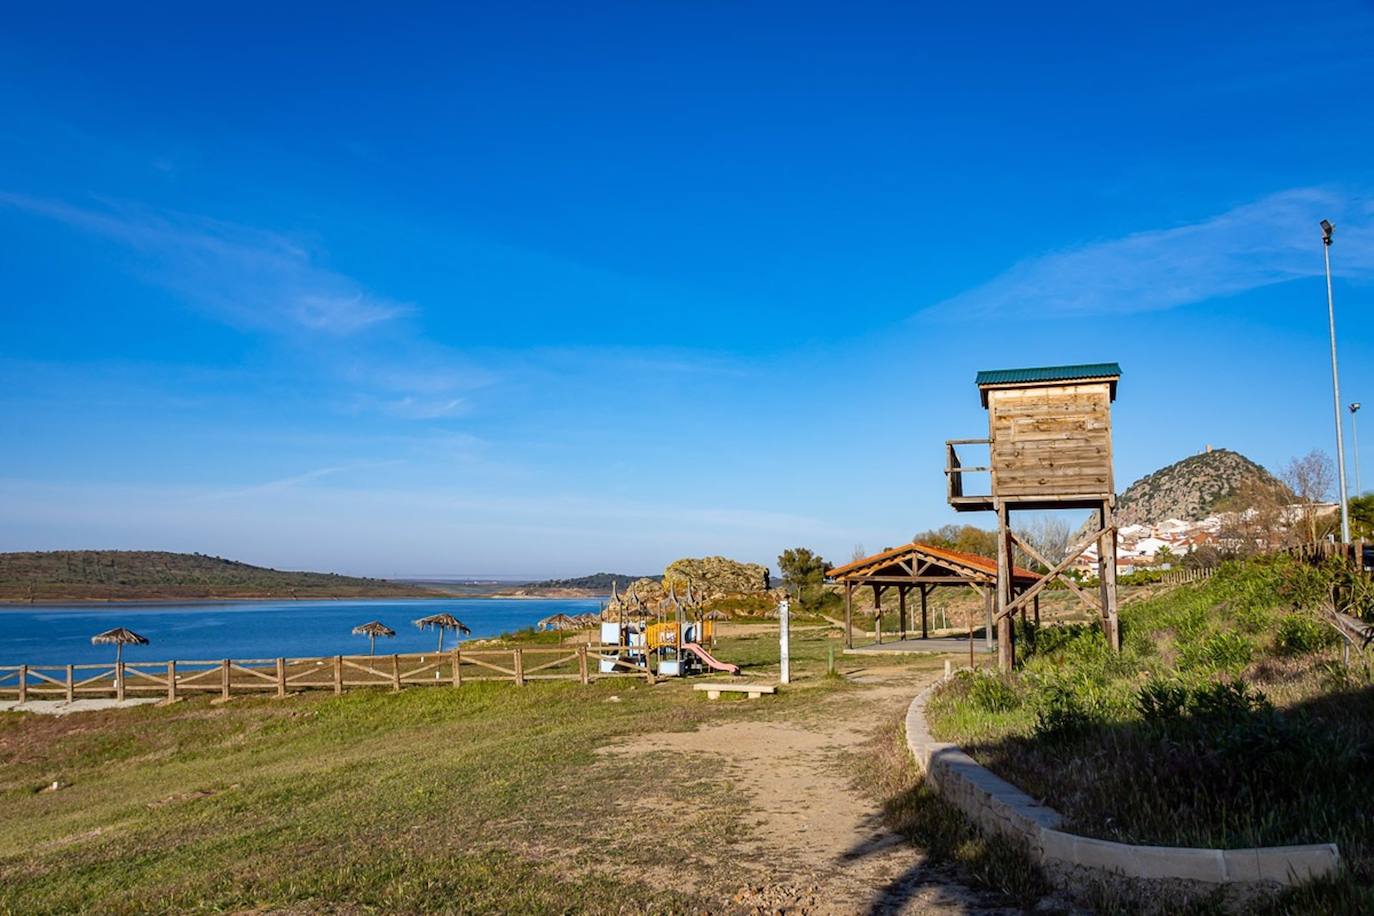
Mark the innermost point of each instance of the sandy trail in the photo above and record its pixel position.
(814, 843)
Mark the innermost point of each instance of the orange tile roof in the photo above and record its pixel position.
(968, 560)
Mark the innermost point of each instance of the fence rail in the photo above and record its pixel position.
(280, 676)
(1184, 576)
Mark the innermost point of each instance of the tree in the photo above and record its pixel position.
(966, 538)
(1049, 535)
(1311, 478)
(1362, 518)
(803, 572)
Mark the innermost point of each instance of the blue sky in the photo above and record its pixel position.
(538, 289)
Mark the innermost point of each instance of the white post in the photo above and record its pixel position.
(783, 610)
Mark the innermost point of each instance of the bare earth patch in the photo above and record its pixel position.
(808, 840)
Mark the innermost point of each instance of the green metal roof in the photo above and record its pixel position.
(1048, 374)
(992, 377)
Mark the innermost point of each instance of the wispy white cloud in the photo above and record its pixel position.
(1269, 241)
(244, 276)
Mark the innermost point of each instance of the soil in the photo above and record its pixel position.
(812, 841)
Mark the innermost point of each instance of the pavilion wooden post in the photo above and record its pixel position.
(878, 613)
(71, 683)
(901, 611)
(848, 614)
(989, 611)
(1037, 610)
(925, 632)
(171, 682)
(281, 678)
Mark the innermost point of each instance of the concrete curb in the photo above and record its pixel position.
(995, 804)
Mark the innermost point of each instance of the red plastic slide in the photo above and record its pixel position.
(709, 659)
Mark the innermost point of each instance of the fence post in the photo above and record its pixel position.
(396, 673)
(338, 675)
(23, 683)
(519, 667)
(224, 680)
(281, 678)
(457, 672)
(582, 664)
(71, 684)
(171, 682)
(119, 681)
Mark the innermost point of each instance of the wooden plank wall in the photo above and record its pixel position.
(1052, 440)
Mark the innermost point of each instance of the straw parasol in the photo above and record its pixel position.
(557, 622)
(120, 636)
(372, 629)
(443, 623)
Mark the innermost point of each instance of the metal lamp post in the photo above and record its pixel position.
(1327, 230)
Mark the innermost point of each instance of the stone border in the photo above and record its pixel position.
(995, 804)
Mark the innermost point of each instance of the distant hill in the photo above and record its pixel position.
(156, 575)
(598, 582)
(1191, 489)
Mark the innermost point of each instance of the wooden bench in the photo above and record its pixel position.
(713, 691)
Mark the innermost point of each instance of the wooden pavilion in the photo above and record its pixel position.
(922, 568)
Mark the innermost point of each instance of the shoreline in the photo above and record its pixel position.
(7, 603)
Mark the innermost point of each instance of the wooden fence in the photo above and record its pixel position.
(1184, 576)
(280, 676)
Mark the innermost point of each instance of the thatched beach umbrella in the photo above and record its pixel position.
(372, 629)
(557, 622)
(120, 636)
(443, 623)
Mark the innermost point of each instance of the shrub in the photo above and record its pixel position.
(993, 693)
(1299, 634)
(1216, 652)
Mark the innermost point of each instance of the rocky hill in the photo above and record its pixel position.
(1192, 489)
(596, 582)
(105, 575)
(705, 583)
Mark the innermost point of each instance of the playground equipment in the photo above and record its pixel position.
(673, 646)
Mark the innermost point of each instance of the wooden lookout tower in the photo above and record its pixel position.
(1049, 446)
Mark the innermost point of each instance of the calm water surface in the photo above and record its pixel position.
(59, 635)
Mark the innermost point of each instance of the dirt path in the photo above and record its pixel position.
(814, 843)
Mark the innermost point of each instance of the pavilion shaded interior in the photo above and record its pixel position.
(920, 569)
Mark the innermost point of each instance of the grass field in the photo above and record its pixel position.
(1228, 720)
(475, 799)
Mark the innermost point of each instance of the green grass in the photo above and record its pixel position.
(478, 799)
(1226, 721)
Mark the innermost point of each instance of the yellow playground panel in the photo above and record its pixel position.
(669, 634)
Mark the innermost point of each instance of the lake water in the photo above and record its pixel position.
(59, 635)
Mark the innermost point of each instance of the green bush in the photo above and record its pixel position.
(1299, 634)
(1216, 652)
(993, 693)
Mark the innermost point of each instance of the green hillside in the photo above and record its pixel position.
(153, 574)
(1228, 720)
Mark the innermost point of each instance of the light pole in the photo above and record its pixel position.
(1327, 230)
(1355, 437)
